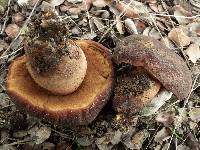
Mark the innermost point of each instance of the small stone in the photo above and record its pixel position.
(17, 18)
(179, 37)
(12, 30)
(74, 11)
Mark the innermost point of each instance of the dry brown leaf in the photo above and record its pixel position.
(130, 25)
(162, 135)
(193, 52)
(99, 3)
(128, 11)
(181, 15)
(194, 114)
(179, 37)
(139, 138)
(12, 30)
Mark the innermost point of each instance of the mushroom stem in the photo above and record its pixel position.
(54, 62)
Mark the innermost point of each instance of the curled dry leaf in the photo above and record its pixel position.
(127, 10)
(119, 25)
(130, 25)
(74, 10)
(182, 147)
(75, 1)
(12, 30)
(162, 135)
(179, 37)
(132, 10)
(139, 138)
(99, 3)
(194, 114)
(17, 18)
(41, 134)
(117, 137)
(193, 52)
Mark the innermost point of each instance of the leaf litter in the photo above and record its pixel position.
(176, 23)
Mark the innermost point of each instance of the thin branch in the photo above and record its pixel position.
(6, 19)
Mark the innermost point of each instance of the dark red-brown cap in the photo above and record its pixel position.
(78, 108)
(162, 63)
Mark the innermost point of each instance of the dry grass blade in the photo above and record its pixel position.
(182, 111)
(6, 19)
(24, 25)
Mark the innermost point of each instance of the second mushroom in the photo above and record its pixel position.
(146, 65)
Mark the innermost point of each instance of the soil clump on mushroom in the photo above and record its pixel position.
(129, 82)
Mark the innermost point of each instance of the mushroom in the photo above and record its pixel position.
(158, 66)
(60, 79)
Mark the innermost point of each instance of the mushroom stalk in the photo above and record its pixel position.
(54, 62)
(161, 64)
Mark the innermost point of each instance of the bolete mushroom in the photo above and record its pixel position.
(160, 66)
(60, 79)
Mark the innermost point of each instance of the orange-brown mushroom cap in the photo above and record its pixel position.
(78, 108)
(161, 62)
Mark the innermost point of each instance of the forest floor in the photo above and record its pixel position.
(167, 123)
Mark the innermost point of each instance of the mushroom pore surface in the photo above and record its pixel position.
(77, 108)
(134, 89)
(60, 71)
(160, 62)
